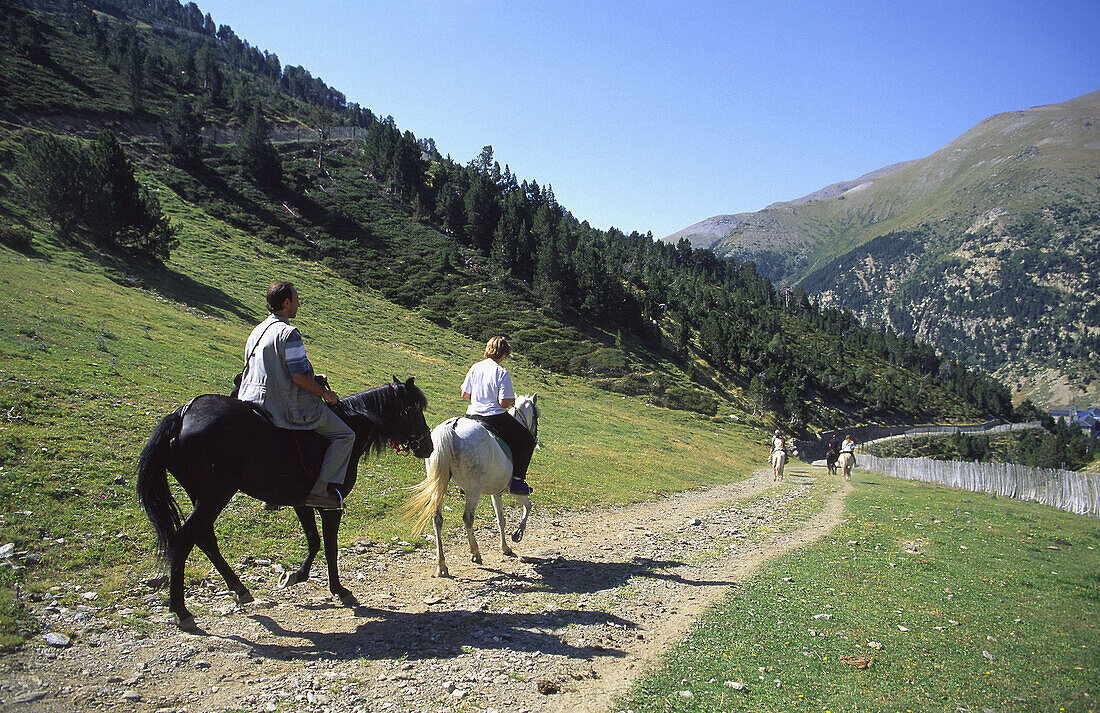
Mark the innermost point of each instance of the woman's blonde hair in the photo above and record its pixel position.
(497, 348)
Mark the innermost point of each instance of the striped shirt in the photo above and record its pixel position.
(296, 360)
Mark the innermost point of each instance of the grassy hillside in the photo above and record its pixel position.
(94, 351)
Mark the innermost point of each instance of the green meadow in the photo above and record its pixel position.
(957, 601)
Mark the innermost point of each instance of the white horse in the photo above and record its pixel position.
(468, 454)
(779, 459)
(845, 461)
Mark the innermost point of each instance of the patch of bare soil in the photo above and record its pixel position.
(596, 599)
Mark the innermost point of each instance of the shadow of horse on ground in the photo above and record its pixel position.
(559, 575)
(434, 635)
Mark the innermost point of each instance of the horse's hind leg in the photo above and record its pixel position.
(525, 502)
(468, 520)
(208, 543)
(498, 508)
(437, 522)
(200, 521)
(330, 527)
(313, 542)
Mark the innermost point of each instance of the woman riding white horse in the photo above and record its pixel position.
(847, 459)
(468, 454)
(779, 455)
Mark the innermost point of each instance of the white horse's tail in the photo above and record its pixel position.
(428, 493)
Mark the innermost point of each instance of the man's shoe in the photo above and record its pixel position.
(519, 487)
(323, 501)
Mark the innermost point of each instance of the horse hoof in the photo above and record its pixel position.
(286, 579)
(476, 559)
(509, 553)
(347, 599)
(443, 573)
(517, 535)
(244, 597)
(186, 623)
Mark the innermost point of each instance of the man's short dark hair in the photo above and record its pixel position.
(278, 293)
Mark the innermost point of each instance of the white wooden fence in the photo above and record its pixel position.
(1069, 490)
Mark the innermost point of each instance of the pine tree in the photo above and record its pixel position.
(181, 133)
(255, 152)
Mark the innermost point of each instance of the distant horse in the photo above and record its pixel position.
(830, 461)
(216, 445)
(779, 460)
(846, 461)
(465, 452)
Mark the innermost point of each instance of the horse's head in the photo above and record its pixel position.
(411, 429)
(527, 412)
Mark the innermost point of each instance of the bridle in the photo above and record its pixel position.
(414, 443)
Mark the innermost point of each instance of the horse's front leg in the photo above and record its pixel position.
(499, 510)
(313, 542)
(468, 521)
(330, 528)
(525, 502)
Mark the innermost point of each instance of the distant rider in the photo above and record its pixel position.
(488, 388)
(849, 446)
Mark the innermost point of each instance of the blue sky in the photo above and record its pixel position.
(651, 116)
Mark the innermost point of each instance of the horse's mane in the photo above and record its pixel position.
(372, 404)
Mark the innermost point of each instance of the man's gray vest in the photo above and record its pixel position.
(267, 380)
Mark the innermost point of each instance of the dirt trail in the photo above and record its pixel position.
(596, 599)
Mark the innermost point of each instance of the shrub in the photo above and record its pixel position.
(684, 399)
(16, 237)
(602, 362)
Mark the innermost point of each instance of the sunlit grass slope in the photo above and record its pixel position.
(94, 351)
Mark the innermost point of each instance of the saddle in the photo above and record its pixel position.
(496, 436)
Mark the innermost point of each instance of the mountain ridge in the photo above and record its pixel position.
(1011, 204)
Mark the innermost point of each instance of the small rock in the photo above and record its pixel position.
(7, 550)
(130, 696)
(687, 694)
(202, 664)
(823, 616)
(89, 596)
(547, 687)
(695, 522)
(55, 639)
(874, 645)
(987, 655)
(902, 628)
(736, 685)
(432, 600)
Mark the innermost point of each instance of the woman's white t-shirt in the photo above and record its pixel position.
(487, 383)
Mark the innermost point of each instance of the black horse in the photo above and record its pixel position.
(217, 445)
(831, 456)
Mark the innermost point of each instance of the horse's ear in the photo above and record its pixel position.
(409, 383)
(396, 380)
(535, 398)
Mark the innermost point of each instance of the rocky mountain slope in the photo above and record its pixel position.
(988, 248)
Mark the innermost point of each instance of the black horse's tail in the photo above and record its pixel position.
(152, 481)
